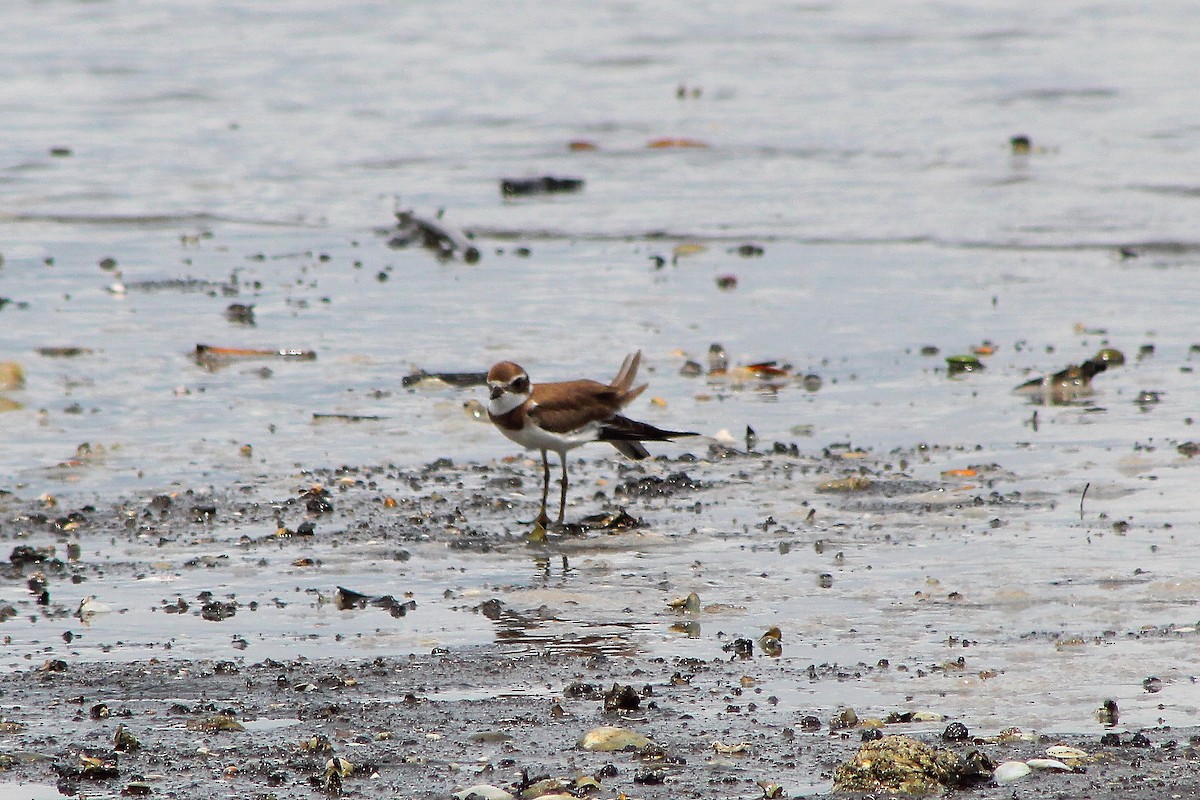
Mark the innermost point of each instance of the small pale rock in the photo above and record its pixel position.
(607, 739)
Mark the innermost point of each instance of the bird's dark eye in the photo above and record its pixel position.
(521, 384)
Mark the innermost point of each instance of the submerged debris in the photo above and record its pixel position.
(689, 604)
(547, 184)
(771, 642)
(336, 770)
(63, 352)
(959, 365)
(619, 520)
(212, 357)
(215, 724)
(622, 698)
(851, 483)
(124, 741)
(458, 380)
(433, 236)
(240, 313)
(322, 415)
(1072, 383)
(348, 599)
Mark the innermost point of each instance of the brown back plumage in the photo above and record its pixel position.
(566, 405)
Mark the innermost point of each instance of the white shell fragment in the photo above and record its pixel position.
(1048, 764)
(90, 606)
(1011, 771)
(606, 739)
(1065, 753)
(483, 791)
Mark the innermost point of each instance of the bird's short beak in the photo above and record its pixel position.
(497, 391)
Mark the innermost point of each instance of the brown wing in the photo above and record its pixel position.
(566, 406)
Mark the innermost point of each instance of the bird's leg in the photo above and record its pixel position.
(562, 499)
(542, 519)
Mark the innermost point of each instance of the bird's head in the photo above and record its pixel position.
(508, 387)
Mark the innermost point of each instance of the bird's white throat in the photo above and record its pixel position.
(499, 406)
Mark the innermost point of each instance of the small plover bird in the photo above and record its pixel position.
(562, 416)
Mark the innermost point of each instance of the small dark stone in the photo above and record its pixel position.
(956, 732)
(871, 734)
(204, 513)
(1110, 740)
(582, 691)
(650, 777)
(491, 608)
(23, 554)
(216, 611)
(621, 698)
(740, 647)
(319, 505)
(347, 599)
(1139, 740)
(1108, 713)
(240, 313)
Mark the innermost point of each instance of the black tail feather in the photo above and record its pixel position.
(623, 429)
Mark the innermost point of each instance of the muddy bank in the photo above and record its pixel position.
(403, 620)
(427, 726)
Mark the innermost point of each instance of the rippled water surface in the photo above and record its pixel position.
(255, 153)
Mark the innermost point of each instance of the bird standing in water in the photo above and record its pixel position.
(562, 416)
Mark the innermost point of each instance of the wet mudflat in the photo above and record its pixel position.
(246, 637)
(242, 517)
(427, 726)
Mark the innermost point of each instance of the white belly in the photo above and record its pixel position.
(534, 438)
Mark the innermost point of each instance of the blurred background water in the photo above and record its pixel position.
(865, 147)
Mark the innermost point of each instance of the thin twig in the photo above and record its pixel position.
(1086, 486)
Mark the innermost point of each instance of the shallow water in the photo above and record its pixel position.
(865, 149)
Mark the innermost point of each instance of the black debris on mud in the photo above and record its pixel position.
(509, 714)
(428, 726)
